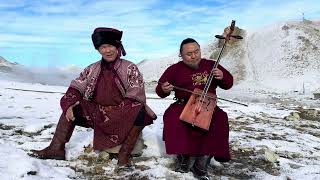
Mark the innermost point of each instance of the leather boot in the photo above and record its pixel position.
(184, 162)
(56, 149)
(128, 145)
(200, 167)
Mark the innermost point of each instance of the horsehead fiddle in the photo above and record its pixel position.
(201, 105)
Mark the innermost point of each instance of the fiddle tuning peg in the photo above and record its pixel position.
(219, 37)
(237, 37)
(222, 37)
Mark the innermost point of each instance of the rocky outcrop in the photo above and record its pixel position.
(6, 66)
(233, 48)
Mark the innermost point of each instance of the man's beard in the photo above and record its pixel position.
(192, 65)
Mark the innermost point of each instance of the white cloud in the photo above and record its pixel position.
(153, 26)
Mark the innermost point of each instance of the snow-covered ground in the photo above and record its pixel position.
(265, 143)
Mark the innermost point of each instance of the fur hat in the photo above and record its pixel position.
(103, 35)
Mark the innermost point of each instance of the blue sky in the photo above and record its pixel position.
(58, 32)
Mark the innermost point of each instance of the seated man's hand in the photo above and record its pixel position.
(69, 113)
(167, 87)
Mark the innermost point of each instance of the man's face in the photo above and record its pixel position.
(108, 52)
(191, 54)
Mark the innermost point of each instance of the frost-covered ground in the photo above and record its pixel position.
(272, 138)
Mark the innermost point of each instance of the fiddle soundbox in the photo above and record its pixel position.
(199, 110)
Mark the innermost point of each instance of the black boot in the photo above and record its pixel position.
(184, 162)
(56, 149)
(200, 167)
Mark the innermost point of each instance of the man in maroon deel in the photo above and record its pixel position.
(108, 96)
(193, 146)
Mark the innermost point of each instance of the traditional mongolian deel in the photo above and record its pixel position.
(113, 94)
(181, 137)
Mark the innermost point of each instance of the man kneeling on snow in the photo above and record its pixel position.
(108, 96)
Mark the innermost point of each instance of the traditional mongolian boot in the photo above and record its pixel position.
(124, 159)
(56, 149)
(184, 162)
(200, 167)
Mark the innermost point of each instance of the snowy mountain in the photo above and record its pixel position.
(6, 66)
(286, 52)
(47, 76)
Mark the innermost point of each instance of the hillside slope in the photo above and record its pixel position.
(285, 52)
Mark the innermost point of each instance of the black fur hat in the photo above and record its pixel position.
(103, 35)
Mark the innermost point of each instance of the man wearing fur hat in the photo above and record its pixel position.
(109, 97)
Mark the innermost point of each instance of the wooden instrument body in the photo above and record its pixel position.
(199, 113)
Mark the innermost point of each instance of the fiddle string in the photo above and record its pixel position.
(215, 98)
(210, 78)
(204, 93)
(208, 83)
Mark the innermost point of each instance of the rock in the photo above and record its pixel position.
(248, 149)
(294, 116)
(103, 156)
(27, 107)
(288, 178)
(235, 148)
(310, 114)
(32, 173)
(295, 166)
(88, 149)
(98, 169)
(295, 155)
(316, 95)
(91, 159)
(82, 157)
(270, 156)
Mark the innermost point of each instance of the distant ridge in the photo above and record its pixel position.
(48, 76)
(284, 52)
(6, 66)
